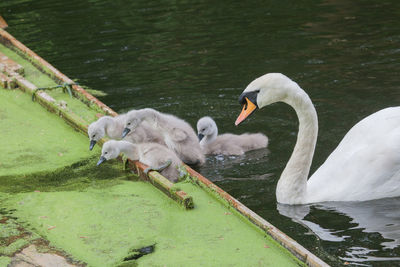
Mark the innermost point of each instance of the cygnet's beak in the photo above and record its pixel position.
(248, 108)
(101, 160)
(92, 143)
(200, 136)
(125, 132)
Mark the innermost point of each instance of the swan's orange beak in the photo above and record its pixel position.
(248, 108)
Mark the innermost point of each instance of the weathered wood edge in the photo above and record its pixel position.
(3, 23)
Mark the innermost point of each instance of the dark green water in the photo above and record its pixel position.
(194, 58)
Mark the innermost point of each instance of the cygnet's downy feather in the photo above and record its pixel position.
(226, 144)
(152, 154)
(177, 134)
(113, 128)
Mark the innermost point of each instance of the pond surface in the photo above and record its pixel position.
(194, 58)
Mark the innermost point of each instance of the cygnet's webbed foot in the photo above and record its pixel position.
(158, 169)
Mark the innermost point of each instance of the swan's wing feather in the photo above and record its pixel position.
(178, 135)
(365, 165)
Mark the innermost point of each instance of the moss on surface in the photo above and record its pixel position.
(4, 261)
(102, 226)
(13, 237)
(34, 140)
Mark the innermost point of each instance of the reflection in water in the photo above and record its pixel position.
(380, 216)
(224, 168)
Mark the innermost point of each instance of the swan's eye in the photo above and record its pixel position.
(129, 123)
(93, 136)
(105, 153)
(252, 96)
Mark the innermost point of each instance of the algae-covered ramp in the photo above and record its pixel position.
(102, 216)
(101, 223)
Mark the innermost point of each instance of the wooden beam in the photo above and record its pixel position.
(3, 23)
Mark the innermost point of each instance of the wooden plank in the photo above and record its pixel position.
(11, 64)
(3, 23)
(162, 184)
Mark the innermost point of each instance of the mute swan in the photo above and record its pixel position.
(157, 157)
(113, 128)
(178, 135)
(364, 166)
(226, 144)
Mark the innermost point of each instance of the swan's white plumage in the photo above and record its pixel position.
(364, 166)
(151, 154)
(177, 134)
(367, 160)
(227, 144)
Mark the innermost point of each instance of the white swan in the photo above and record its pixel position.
(226, 144)
(157, 157)
(178, 135)
(113, 128)
(364, 166)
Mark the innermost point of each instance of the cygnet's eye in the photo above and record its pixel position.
(93, 136)
(129, 123)
(203, 129)
(105, 153)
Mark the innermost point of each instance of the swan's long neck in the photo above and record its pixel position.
(292, 186)
(129, 149)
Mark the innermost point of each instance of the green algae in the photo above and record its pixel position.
(12, 248)
(13, 237)
(74, 105)
(33, 140)
(5, 261)
(101, 226)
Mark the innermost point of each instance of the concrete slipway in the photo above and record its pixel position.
(59, 209)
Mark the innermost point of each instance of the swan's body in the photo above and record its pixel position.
(114, 126)
(226, 144)
(177, 134)
(364, 166)
(152, 154)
